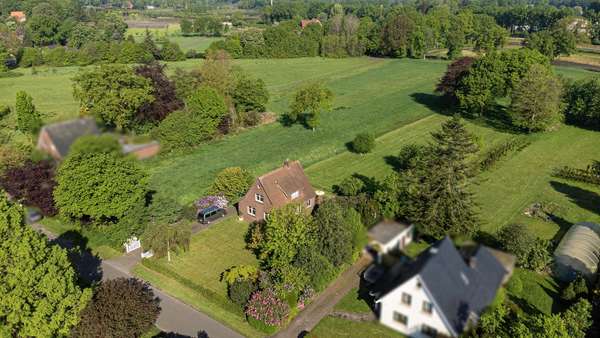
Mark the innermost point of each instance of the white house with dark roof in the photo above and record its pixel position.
(440, 293)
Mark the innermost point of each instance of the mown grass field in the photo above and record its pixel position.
(392, 89)
(195, 276)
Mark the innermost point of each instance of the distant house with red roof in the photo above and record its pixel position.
(18, 15)
(305, 23)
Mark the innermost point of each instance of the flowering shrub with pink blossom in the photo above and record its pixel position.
(306, 296)
(218, 201)
(266, 307)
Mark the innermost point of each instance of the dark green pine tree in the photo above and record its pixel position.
(149, 45)
(444, 205)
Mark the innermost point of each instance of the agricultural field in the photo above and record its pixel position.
(391, 103)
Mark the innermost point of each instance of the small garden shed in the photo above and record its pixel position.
(578, 252)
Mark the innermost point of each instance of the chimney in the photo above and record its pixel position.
(286, 163)
(473, 262)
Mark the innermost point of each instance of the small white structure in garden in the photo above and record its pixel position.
(132, 244)
(390, 236)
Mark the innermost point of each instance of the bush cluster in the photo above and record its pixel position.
(363, 143)
(98, 52)
(496, 153)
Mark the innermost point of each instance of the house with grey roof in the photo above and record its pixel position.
(56, 139)
(441, 292)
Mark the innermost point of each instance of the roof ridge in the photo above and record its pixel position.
(61, 123)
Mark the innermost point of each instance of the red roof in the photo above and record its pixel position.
(305, 23)
(18, 15)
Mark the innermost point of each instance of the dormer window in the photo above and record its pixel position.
(295, 194)
(259, 198)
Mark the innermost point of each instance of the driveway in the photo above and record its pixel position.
(324, 303)
(175, 316)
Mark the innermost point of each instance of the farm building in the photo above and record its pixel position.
(56, 139)
(578, 252)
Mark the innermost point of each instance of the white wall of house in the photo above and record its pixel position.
(416, 317)
(400, 241)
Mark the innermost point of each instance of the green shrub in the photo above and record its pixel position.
(31, 57)
(4, 110)
(106, 144)
(179, 131)
(575, 288)
(171, 52)
(241, 290)
(363, 143)
(232, 182)
(318, 268)
(350, 186)
(514, 285)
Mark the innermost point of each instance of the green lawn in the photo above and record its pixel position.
(194, 276)
(197, 43)
(504, 192)
(352, 303)
(337, 327)
(540, 292)
(331, 171)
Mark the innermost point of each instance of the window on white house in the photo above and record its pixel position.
(295, 194)
(252, 211)
(428, 330)
(400, 318)
(406, 298)
(259, 198)
(427, 307)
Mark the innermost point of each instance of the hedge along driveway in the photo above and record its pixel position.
(378, 100)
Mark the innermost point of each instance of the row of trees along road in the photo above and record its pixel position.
(42, 295)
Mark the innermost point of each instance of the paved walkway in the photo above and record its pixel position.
(175, 316)
(323, 305)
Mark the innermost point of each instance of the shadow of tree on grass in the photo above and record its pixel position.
(583, 198)
(87, 264)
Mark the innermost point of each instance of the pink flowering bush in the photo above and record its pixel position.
(266, 307)
(218, 201)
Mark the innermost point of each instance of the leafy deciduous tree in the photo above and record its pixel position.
(536, 102)
(99, 187)
(309, 102)
(119, 308)
(113, 94)
(232, 182)
(33, 183)
(40, 296)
